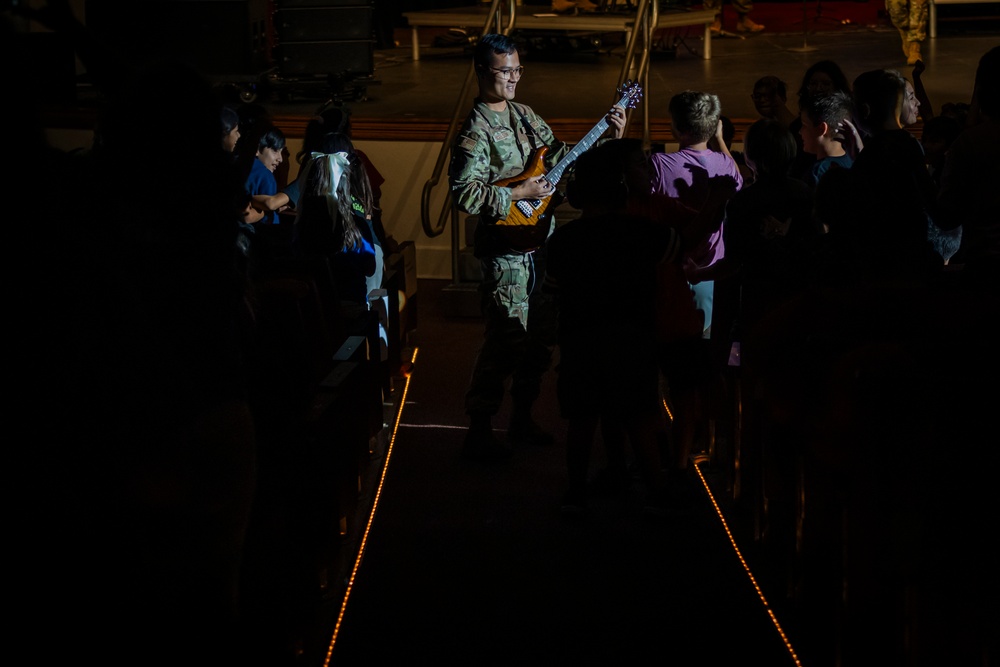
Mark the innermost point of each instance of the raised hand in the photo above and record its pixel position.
(848, 135)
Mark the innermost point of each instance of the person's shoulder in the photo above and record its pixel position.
(523, 108)
(980, 137)
(797, 185)
(663, 159)
(477, 123)
(844, 161)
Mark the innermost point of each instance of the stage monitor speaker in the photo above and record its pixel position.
(348, 57)
(323, 23)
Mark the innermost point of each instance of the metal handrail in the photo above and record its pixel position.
(647, 16)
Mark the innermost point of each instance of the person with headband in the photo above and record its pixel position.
(331, 222)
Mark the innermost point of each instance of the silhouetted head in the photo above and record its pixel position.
(769, 147)
(329, 118)
(878, 99)
(987, 91)
(823, 76)
(603, 175)
(270, 147)
(769, 93)
(229, 125)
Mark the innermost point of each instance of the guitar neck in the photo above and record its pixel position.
(555, 174)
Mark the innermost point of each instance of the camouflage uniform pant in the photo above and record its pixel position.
(909, 17)
(519, 335)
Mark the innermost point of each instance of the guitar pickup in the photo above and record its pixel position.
(527, 207)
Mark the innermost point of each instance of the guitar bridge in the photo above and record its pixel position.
(527, 207)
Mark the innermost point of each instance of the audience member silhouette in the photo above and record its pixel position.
(149, 465)
(968, 193)
(887, 199)
(687, 174)
(678, 323)
(821, 117)
(230, 126)
(936, 137)
(619, 388)
(329, 119)
(261, 180)
(772, 246)
(770, 99)
(332, 220)
(823, 76)
(770, 233)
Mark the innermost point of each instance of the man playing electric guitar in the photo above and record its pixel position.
(496, 144)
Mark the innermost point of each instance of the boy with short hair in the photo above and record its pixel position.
(822, 116)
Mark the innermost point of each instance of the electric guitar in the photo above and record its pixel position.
(528, 220)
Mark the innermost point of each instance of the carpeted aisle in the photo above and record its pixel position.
(472, 563)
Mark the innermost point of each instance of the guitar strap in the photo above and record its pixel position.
(532, 135)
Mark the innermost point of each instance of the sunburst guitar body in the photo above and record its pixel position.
(528, 221)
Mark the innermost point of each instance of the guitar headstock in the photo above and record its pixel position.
(630, 93)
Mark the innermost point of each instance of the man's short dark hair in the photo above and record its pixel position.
(490, 45)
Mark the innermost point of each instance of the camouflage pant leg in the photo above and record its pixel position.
(537, 355)
(507, 348)
(909, 17)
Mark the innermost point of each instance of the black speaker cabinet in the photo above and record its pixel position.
(216, 36)
(309, 24)
(350, 57)
(47, 63)
(281, 4)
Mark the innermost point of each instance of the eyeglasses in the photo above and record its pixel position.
(505, 74)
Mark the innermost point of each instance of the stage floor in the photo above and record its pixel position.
(563, 82)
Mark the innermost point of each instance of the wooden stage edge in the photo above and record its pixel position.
(570, 130)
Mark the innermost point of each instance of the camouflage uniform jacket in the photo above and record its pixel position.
(491, 146)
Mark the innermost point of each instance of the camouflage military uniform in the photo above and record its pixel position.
(492, 146)
(910, 19)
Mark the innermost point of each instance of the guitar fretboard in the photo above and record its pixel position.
(556, 173)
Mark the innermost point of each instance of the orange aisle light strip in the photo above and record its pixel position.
(371, 515)
(746, 567)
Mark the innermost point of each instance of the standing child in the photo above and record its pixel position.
(821, 116)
